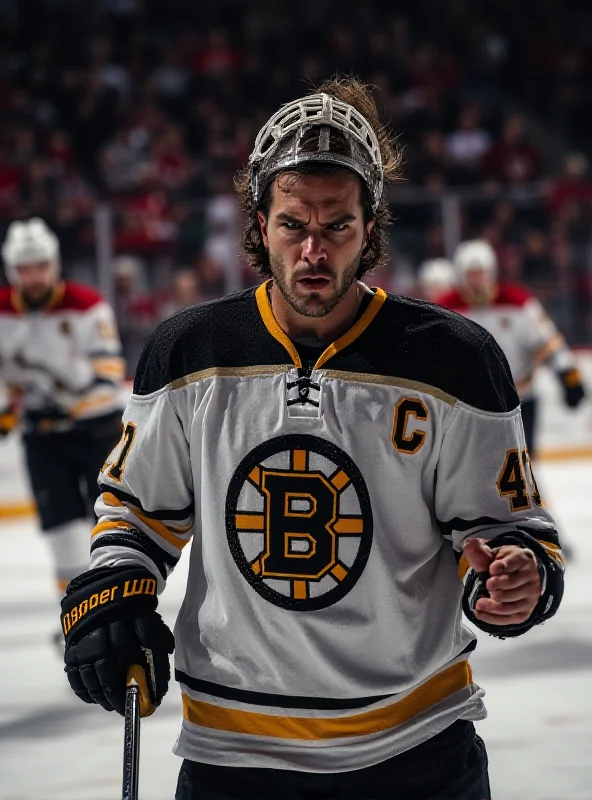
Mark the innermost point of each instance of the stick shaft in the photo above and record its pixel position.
(131, 744)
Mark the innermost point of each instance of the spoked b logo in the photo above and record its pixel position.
(299, 521)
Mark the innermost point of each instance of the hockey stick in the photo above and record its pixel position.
(137, 704)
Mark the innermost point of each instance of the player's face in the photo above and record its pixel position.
(479, 284)
(315, 235)
(35, 279)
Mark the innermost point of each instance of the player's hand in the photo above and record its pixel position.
(110, 623)
(514, 582)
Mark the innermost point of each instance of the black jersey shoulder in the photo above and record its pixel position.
(222, 333)
(423, 342)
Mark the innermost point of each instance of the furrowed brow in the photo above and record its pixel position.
(282, 217)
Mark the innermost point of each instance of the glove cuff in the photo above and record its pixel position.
(106, 593)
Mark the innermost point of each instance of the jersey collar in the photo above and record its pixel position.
(356, 330)
(54, 300)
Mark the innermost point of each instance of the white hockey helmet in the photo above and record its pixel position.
(27, 243)
(475, 253)
(435, 276)
(282, 144)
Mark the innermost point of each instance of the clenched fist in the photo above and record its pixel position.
(514, 583)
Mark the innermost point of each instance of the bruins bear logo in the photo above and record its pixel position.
(299, 522)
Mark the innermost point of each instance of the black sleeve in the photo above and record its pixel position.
(489, 385)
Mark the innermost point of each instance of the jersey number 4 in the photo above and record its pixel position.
(511, 481)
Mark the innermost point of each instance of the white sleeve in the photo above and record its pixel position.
(547, 345)
(485, 485)
(99, 358)
(146, 509)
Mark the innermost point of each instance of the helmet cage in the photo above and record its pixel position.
(278, 145)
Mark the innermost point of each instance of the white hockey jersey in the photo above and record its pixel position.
(322, 627)
(60, 364)
(523, 330)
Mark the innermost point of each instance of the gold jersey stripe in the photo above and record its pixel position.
(110, 525)
(399, 383)
(250, 522)
(161, 530)
(446, 683)
(93, 404)
(110, 500)
(554, 551)
(158, 527)
(356, 330)
(109, 367)
(349, 525)
(229, 372)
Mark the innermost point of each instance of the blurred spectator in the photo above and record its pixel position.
(185, 292)
(572, 186)
(468, 143)
(10, 183)
(121, 160)
(217, 56)
(433, 162)
(135, 308)
(513, 159)
(537, 261)
(223, 222)
(211, 278)
(146, 223)
(170, 79)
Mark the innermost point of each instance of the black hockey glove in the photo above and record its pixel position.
(551, 579)
(573, 389)
(110, 622)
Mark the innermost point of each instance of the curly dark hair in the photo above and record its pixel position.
(357, 94)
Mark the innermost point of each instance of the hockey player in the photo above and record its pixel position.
(350, 465)
(435, 277)
(519, 325)
(61, 366)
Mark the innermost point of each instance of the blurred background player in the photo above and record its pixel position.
(61, 370)
(518, 323)
(435, 277)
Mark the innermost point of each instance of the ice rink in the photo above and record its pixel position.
(539, 687)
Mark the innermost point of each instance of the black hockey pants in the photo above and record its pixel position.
(64, 468)
(450, 766)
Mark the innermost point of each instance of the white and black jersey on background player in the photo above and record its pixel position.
(61, 372)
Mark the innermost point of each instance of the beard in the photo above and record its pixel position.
(311, 305)
(38, 296)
